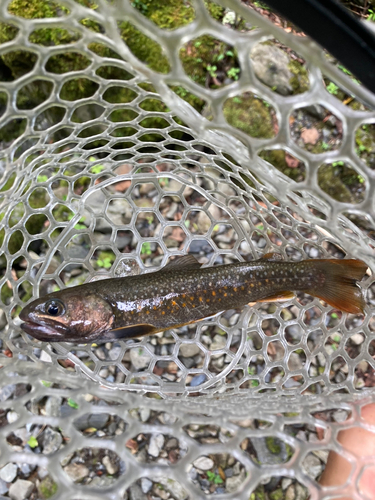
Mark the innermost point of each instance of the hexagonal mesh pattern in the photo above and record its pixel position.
(108, 171)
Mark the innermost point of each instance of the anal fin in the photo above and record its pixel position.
(278, 297)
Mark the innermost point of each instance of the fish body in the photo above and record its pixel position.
(182, 293)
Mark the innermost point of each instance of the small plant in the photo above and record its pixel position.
(214, 478)
(72, 403)
(325, 146)
(237, 100)
(97, 169)
(42, 178)
(332, 88)
(212, 70)
(139, 5)
(33, 442)
(337, 164)
(233, 73)
(371, 15)
(146, 248)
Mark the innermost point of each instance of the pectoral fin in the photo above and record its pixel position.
(129, 332)
(278, 297)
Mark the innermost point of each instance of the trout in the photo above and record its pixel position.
(182, 293)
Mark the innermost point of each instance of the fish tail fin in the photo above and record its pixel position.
(340, 288)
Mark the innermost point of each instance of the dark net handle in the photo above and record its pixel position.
(337, 30)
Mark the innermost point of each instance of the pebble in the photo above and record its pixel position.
(233, 483)
(77, 472)
(8, 472)
(198, 380)
(96, 420)
(12, 416)
(140, 358)
(3, 487)
(189, 350)
(52, 441)
(174, 487)
(203, 463)
(7, 391)
(146, 484)
(144, 414)
(21, 489)
(136, 493)
(26, 469)
(156, 444)
(53, 405)
(357, 339)
(111, 467)
(219, 342)
(312, 465)
(115, 352)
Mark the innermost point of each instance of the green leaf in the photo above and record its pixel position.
(46, 384)
(32, 442)
(97, 169)
(72, 403)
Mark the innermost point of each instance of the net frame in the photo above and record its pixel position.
(206, 174)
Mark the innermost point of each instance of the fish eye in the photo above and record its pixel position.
(55, 307)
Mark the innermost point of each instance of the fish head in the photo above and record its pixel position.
(67, 316)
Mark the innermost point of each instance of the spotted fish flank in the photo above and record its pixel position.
(182, 293)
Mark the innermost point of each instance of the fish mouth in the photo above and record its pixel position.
(41, 332)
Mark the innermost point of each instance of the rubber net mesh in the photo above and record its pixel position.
(97, 184)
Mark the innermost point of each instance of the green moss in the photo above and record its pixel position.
(277, 494)
(300, 80)
(47, 487)
(35, 9)
(167, 14)
(341, 182)
(199, 53)
(365, 144)
(215, 10)
(273, 444)
(144, 48)
(251, 115)
(277, 158)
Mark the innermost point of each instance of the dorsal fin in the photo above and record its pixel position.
(272, 256)
(181, 263)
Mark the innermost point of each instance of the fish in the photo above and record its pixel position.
(182, 293)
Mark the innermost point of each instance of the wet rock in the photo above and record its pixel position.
(189, 350)
(198, 380)
(174, 488)
(146, 485)
(136, 493)
(312, 465)
(77, 472)
(21, 489)
(219, 342)
(111, 467)
(53, 405)
(271, 67)
(3, 487)
(233, 483)
(8, 472)
(12, 416)
(7, 391)
(26, 469)
(52, 441)
(144, 413)
(95, 420)
(203, 463)
(156, 444)
(140, 358)
(102, 481)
